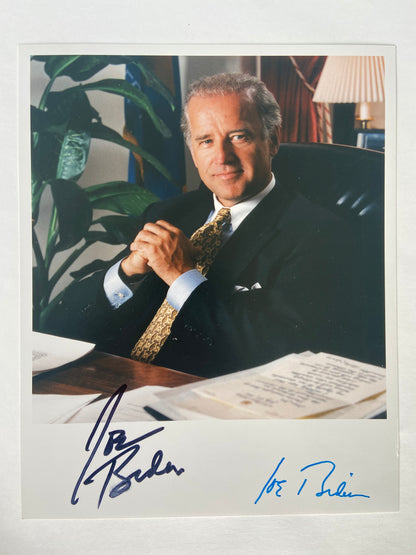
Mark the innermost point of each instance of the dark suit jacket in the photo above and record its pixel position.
(303, 257)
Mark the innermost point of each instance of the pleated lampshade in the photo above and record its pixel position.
(351, 79)
(358, 79)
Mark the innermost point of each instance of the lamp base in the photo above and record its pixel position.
(363, 122)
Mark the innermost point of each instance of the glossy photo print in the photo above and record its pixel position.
(210, 317)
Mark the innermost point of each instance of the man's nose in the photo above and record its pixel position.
(224, 152)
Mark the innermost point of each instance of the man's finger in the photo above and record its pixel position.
(161, 228)
(168, 226)
(139, 244)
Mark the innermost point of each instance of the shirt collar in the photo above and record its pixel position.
(242, 209)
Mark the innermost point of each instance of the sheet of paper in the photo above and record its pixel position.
(53, 409)
(369, 408)
(50, 351)
(336, 377)
(130, 408)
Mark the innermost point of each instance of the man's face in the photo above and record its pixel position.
(228, 148)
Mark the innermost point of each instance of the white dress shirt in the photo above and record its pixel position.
(118, 292)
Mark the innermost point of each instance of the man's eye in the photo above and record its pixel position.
(205, 142)
(239, 137)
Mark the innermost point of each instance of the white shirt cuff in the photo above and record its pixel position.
(116, 290)
(182, 287)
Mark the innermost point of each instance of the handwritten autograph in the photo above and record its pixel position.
(123, 452)
(276, 485)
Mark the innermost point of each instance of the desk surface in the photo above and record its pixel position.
(103, 373)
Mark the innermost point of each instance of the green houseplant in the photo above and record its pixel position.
(62, 127)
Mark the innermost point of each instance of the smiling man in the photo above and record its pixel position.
(239, 272)
(229, 147)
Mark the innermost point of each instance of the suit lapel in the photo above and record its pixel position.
(194, 215)
(255, 231)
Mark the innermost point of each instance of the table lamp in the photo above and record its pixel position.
(353, 79)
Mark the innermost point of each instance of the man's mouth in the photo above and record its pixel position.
(228, 174)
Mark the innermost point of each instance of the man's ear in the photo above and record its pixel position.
(274, 141)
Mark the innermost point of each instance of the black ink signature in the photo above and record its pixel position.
(274, 484)
(115, 467)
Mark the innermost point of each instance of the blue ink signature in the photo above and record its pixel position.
(125, 452)
(274, 484)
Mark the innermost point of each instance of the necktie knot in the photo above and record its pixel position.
(212, 230)
(223, 217)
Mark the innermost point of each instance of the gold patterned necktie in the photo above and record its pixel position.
(208, 239)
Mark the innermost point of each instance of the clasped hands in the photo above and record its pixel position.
(163, 248)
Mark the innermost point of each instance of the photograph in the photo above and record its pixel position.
(281, 312)
(211, 238)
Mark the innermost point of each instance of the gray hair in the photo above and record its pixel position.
(254, 90)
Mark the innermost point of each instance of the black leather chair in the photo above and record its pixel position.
(344, 179)
(350, 182)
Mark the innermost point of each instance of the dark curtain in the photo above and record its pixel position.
(292, 81)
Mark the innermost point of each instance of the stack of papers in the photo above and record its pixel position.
(302, 385)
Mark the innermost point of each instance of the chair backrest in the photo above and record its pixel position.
(346, 180)
(350, 182)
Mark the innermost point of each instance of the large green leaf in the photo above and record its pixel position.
(74, 155)
(38, 187)
(92, 267)
(126, 90)
(77, 67)
(156, 84)
(74, 212)
(81, 67)
(100, 131)
(45, 156)
(120, 197)
(36, 295)
(40, 122)
(60, 139)
(118, 229)
(56, 65)
(40, 275)
(111, 188)
(71, 109)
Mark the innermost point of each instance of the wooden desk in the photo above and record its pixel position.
(103, 373)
